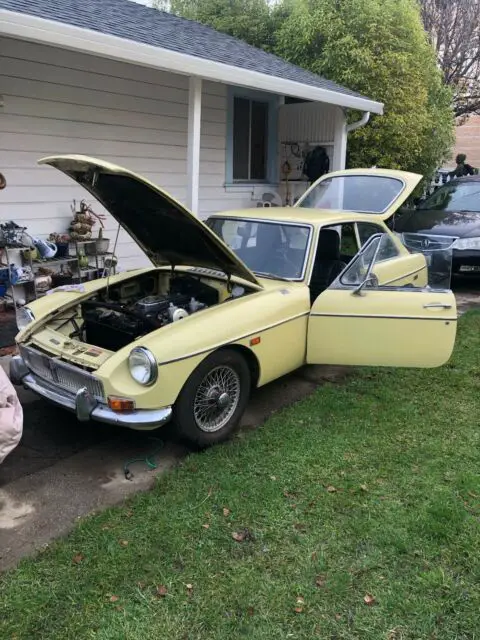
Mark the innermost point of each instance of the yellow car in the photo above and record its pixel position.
(231, 304)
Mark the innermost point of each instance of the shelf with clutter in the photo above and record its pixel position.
(31, 266)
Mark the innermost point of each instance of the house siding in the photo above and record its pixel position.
(58, 101)
(468, 141)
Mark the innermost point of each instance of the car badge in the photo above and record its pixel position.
(425, 243)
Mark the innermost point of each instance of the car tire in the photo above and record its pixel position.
(210, 405)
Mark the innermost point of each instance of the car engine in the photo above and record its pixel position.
(115, 322)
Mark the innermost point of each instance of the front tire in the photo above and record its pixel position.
(211, 403)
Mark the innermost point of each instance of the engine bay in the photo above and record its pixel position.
(124, 312)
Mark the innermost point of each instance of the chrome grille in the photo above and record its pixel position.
(60, 373)
(427, 242)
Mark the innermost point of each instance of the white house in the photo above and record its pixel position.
(208, 117)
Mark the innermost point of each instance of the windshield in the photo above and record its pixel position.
(361, 193)
(455, 196)
(267, 248)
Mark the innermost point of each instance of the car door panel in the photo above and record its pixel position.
(382, 327)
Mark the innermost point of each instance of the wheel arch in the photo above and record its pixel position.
(251, 359)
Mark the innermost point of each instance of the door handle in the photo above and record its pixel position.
(437, 305)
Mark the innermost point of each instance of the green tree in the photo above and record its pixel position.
(249, 20)
(376, 47)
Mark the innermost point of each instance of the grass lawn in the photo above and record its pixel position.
(356, 513)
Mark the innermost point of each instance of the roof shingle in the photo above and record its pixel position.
(126, 19)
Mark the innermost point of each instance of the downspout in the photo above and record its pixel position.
(360, 123)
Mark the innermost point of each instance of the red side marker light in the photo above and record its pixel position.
(255, 341)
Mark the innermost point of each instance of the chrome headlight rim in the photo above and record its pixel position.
(27, 320)
(467, 244)
(150, 359)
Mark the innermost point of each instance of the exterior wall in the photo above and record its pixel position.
(58, 101)
(468, 142)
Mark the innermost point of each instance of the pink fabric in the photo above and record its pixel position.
(11, 417)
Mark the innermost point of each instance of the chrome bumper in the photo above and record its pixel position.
(84, 405)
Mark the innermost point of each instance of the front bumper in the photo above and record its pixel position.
(83, 404)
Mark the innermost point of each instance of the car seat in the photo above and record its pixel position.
(327, 265)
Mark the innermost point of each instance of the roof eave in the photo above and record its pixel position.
(26, 27)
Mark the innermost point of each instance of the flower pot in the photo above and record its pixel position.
(62, 249)
(102, 245)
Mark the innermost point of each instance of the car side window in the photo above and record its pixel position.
(367, 229)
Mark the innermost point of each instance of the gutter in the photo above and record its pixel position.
(58, 34)
(360, 123)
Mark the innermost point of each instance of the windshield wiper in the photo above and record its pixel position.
(271, 276)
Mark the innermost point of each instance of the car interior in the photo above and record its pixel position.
(328, 263)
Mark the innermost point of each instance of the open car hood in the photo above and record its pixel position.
(166, 231)
(379, 192)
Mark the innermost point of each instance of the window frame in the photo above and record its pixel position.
(272, 169)
(379, 230)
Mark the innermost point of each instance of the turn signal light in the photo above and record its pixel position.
(121, 404)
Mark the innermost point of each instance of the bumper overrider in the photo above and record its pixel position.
(82, 402)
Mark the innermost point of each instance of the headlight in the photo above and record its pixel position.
(143, 366)
(467, 243)
(24, 317)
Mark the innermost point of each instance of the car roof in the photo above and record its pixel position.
(299, 215)
(464, 179)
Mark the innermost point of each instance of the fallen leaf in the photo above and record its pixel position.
(320, 581)
(226, 512)
(189, 589)
(238, 536)
(123, 543)
(250, 611)
(331, 489)
(273, 477)
(300, 603)
(314, 556)
(114, 598)
(106, 527)
(206, 526)
(129, 513)
(363, 487)
(369, 599)
(242, 535)
(78, 558)
(161, 591)
(338, 616)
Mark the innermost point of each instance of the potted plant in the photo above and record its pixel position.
(62, 240)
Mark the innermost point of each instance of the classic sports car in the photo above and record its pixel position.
(232, 304)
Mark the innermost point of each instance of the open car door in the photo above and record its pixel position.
(358, 321)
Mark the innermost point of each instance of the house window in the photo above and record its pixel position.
(251, 149)
(250, 134)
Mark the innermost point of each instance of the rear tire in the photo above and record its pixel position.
(210, 405)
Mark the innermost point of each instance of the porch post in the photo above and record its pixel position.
(193, 144)
(340, 141)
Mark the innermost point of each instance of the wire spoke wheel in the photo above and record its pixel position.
(216, 398)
